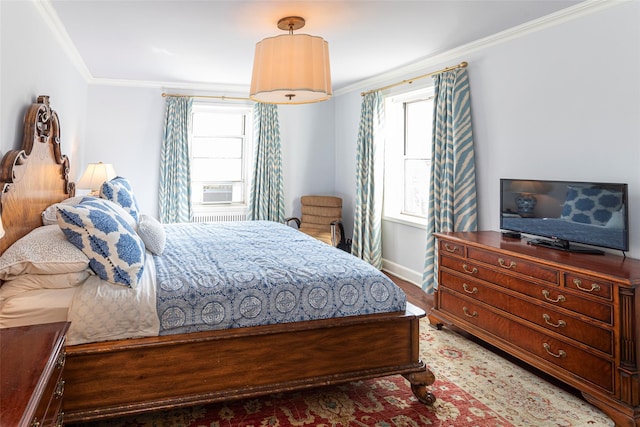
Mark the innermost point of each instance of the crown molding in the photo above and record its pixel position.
(51, 18)
(228, 89)
(454, 55)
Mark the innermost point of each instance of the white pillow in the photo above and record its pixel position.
(49, 214)
(45, 250)
(30, 282)
(152, 234)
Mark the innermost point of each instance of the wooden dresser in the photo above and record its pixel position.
(31, 365)
(574, 316)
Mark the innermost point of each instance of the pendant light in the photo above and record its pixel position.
(291, 68)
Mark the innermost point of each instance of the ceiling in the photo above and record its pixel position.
(185, 43)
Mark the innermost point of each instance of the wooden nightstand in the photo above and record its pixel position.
(31, 385)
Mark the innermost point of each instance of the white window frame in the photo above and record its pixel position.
(247, 156)
(393, 206)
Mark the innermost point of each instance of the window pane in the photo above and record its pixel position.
(217, 147)
(216, 170)
(220, 145)
(416, 186)
(418, 128)
(217, 124)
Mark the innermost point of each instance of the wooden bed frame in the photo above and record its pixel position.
(117, 378)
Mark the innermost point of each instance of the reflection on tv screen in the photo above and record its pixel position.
(566, 212)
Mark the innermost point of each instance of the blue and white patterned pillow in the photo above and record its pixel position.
(118, 190)
(593, 206)
(116, 253)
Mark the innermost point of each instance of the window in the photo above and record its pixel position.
(408, 155)
(221, 147)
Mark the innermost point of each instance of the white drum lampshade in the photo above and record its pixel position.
(291, 68)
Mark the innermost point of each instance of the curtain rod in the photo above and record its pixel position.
(444, 70)
(179, 95)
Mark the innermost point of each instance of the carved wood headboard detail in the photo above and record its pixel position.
(35, 176)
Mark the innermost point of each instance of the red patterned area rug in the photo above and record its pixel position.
(474, 387)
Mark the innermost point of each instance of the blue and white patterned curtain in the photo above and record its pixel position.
(266, 201)
(175, 171)
(368, 210)
(452, 194)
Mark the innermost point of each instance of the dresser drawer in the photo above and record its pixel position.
(570, 301)
(472, 313)
(479, 271)
(554, 295)
(597, 370)
(515, 265)
(589, 285)
(451, 248)
(473, 289)
(569, 326)
(50, 405)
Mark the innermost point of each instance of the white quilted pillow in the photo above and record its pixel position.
(152, 234)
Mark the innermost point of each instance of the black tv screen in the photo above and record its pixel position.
(590, 213)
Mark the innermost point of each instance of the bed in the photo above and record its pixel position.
(188, 366)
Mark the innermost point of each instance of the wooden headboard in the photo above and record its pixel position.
(33, 177)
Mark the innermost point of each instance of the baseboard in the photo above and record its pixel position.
(402, 272)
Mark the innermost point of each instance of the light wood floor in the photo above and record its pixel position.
(415, 294)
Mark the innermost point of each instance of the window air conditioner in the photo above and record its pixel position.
(217, 193)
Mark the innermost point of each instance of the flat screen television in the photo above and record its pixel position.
(565, 212)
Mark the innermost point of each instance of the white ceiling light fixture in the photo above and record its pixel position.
(291, 68)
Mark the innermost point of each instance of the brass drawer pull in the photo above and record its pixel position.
(594, 286)
(61, 359)
(465, 267)
(59, 389)
(560, 298)
(450, 248)
(547, 320)
(466, 289)
(35, 423)
(466, 312)
(560, 355)
(503, 264)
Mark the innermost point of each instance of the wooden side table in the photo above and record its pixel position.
(31, 365)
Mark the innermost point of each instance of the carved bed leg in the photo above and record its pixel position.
(419, 382)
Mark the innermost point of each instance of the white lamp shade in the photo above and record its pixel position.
(291, 69)
(529, 187)
(95, 175)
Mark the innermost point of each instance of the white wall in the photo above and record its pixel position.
(33, 64)
(125, 126)
(308, 149)
(562, 102)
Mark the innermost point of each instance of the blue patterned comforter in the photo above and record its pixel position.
(227, 275)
